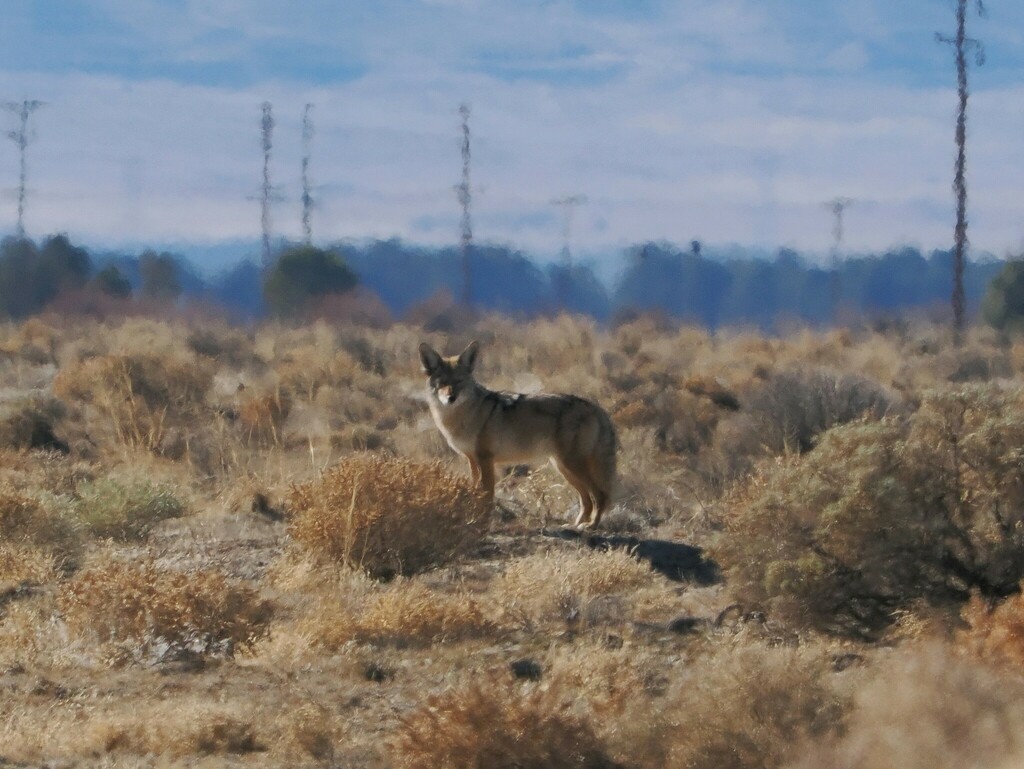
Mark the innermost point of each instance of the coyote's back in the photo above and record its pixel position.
(489, 427)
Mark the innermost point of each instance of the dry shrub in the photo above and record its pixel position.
(141, 394)
(570, 586)
(491, 724)
(33, 340)
(683, 423)
(748, 707)
(224, 344)
(126, 509)
(37, 520)
(307, 729)
(994, 632)
(262, 418)
(406, 613)
(22, 565)
(359, 307)
(881, 515)
(202, 731)
(138, 610)
(388, 516)
(787, 413)
(622, 690)
(28, 422)
(928, 708)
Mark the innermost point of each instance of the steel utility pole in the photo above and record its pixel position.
(307, 197)
(838, 207)
(567, 205)
(22, 138)
(267, 126)
(465, 196)
(961, 43)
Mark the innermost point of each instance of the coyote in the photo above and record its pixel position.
(488, 427)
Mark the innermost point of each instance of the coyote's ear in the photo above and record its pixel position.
(467, 359)
(429, 358)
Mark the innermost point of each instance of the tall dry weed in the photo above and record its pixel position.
(141, 396)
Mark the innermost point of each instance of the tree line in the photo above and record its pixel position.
(691, 284)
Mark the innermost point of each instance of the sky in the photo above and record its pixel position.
(725, 121)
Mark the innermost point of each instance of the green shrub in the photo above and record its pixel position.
(126, 509)
(1003, 305)
(881, 515)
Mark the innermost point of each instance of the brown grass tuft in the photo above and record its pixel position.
(405, 613)
(28, 519)
(138, 610)
(493, 725)
(388, 516)
(571, 587)
(994, 632)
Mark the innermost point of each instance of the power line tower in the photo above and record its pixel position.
(307, 197)
(465, 196)
(961, 44)
(22, 137)
(267, 127)
(568, 206)
(838, 208)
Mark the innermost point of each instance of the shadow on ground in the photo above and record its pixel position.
(677, 561)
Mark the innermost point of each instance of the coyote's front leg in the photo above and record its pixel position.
(485, 466)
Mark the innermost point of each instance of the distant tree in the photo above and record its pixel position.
(1003, 305)
(32, 277)
(18, 260)
(159, 274)
(61, 266)
(302, 275)
(112, 282)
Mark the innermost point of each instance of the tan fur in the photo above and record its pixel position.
(489, 427)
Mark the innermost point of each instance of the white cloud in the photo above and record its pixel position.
(697, 124)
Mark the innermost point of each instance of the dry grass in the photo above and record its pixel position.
(576, 589)
(927, 708)
(40, 520)
(751, 707)
(995, 633)
(141, 396)
(387, 516)
(405, 613)
(137, 610)
(491, 724)
(354, 671)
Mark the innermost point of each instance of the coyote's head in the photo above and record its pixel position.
(448, 377)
